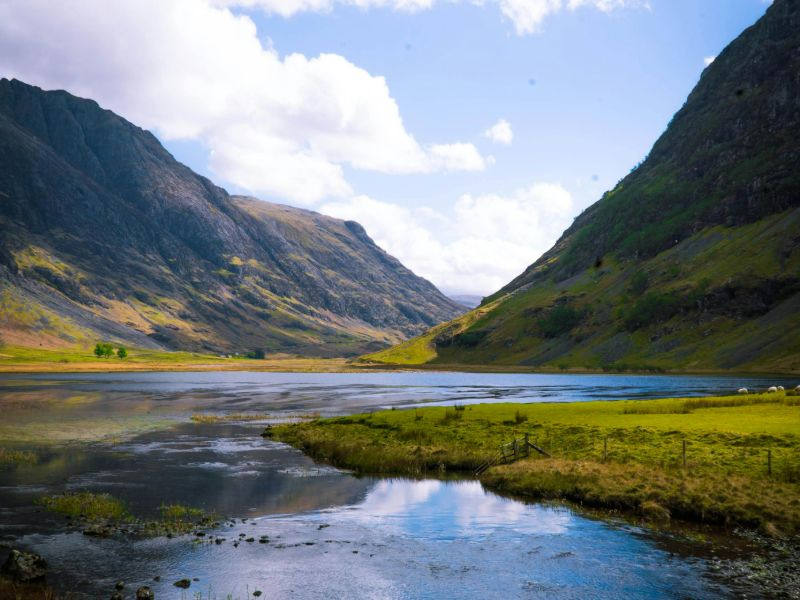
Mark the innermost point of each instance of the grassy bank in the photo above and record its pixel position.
(742, 461)
(18, 359)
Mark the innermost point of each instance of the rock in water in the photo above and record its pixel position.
(182, 583)
(145, 593)
(24, 566)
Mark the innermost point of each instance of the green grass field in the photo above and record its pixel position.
(624, 455)
(24, 359)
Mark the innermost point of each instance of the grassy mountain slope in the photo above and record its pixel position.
(104, 235)
(691, 262)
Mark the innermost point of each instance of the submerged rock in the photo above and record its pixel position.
(24, 566)
(182, 583)
(145, 593)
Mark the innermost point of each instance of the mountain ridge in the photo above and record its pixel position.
(106, 235)
(691, 261)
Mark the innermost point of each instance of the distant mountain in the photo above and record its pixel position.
(467, 300)
(692, 261)
(104, 235)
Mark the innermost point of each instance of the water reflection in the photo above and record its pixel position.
(331, 534)
(404, 539)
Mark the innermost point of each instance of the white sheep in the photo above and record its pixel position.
(797, 389)
(771, 389)
(743, 391)
(780, 388)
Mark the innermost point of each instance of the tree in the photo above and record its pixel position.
(121, 352)
(103, 349)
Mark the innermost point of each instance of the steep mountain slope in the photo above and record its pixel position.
(691, 261)
(106, 236)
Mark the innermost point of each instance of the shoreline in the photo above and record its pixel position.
(336, 365)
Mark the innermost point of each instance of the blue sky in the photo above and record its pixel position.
(586, 91)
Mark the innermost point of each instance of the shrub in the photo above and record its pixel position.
(652, 308)
(639, 283)
(559, 320)
(103, 349)
(121, 352)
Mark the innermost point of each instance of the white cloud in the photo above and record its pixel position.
(456, 157)
(500, 132)
(478, 245)
(281, 126)
(708, 60)
(526, 15)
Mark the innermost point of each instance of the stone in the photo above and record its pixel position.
(24, 566)
(182, 583)
(145, 593)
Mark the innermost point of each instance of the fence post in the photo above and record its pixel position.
(527, 446)
(684, 453)
(769, 461)
(605, 448)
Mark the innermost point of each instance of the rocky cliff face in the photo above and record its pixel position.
(692, 260)
(106, 235)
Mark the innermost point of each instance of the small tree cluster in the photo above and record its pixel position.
(104, 349)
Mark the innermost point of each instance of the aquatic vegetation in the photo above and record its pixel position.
(87, 505)
(215, 418)
(695, 459)
(16, 457)
(180, 512)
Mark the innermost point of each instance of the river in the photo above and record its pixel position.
(331, 534)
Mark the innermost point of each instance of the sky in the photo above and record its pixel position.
(464, 136)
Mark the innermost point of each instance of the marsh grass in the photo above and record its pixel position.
(213, 418)
(13, 590)
(17, 457)
(180, 512)
(110, 514)
(87, 505)
(605, 454)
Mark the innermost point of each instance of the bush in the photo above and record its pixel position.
(257, 354)
(121, 352)
(558, 321)
(103, 349)
(639, 283)
(652, 308)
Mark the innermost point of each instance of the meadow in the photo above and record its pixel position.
(731, 461)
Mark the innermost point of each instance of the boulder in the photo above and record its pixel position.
(145, 593)
(24, 566)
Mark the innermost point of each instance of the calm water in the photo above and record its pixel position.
(331, 534)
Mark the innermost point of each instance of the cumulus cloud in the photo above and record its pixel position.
(500, 132)
(476, 246)
(526, 15)
(283, 126)
(708, 60)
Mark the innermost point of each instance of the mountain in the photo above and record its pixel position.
(691, 262)
(105, 236)
(467, 300)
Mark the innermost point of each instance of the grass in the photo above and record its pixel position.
(86, 505)
(13, 590)
(103, 514)
(603, 454)
(180, 512)
(214, 418)
(17, 457)
(21, 359)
